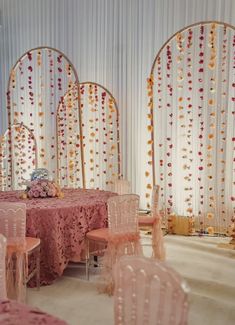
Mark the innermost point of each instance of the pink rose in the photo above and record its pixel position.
(35, 193)
(51, 186)
(51, 192)
(43, 194)
(34, 183)
(36, 188)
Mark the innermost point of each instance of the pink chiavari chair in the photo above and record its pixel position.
(122, 186)
(153, 221)
(148, 292)
(120, 238)
(19, 248)
(3, 245)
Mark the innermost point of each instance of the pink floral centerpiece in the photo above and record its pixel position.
(42, 188)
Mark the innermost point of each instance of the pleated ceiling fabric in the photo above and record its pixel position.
(112, 42)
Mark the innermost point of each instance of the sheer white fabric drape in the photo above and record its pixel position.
(194, 125)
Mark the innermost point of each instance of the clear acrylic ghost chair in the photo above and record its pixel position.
(122, 186)
(153, 221)
(120, 238)
(3, 245)
(148, 292)
(19, 249)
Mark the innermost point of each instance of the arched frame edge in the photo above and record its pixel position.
(79, 101)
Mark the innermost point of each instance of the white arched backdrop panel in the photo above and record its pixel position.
(192, 125)
(97, 122)
(110, 42)
(69, 135)
(100, 127)
(37, 82)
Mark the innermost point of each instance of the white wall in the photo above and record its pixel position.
(112, 42)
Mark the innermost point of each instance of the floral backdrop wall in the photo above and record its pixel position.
(37, 82)
(75, 127)
(99, 130)
(191, 114)
(18, 156)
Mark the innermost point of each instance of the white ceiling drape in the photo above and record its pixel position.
(112, 42)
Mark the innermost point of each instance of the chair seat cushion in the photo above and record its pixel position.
(32, 243)
(98, 234)
(146, 220)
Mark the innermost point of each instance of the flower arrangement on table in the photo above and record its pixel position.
(42, 188)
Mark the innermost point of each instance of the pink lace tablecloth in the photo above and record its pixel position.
(14, 313)
(61, 224)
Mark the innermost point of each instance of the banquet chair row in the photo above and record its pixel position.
(122, 235)
(122, 186)
(151, 221)
(120, 238)
(19, 249)
(148, 292)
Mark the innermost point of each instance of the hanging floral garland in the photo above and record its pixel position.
(189, 129)
(23, 155)
(100, 122)
(98, 125)
(37, 82)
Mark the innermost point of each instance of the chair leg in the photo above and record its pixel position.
(87, 258)
(152, 245)
(158, 242)
(38, 269)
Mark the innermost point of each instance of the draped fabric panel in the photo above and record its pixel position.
(110, 42)
(69, 153)
(100, 137)
(100, 129)
(37, 82)
(192, 103)
(18, 156)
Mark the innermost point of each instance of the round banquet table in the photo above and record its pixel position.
(61, 224)
(14, 313)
